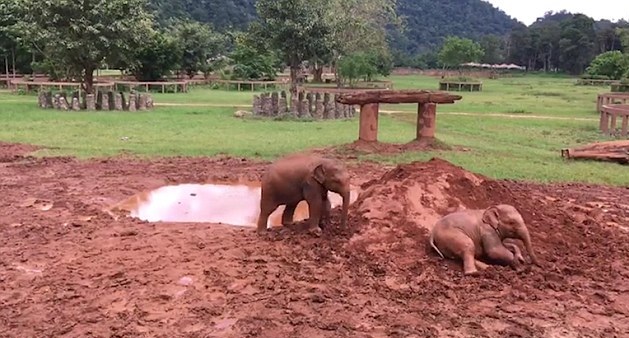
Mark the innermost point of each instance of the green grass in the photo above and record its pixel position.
(500, 146)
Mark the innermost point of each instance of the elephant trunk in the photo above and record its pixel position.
(524, 235)
(345, 208)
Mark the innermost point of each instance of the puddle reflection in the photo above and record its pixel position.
(237, 204)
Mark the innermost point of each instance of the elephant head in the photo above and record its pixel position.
(333, 176)
(508, 223)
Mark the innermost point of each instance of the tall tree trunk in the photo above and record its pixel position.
(88, 80)
(13, 58)
(294, 72)
(317, 73)
(6, 66)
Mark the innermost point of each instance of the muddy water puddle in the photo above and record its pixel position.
(233, 204)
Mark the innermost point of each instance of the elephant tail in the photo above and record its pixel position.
(432, 243)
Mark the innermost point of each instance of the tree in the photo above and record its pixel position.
(251, 61)
(456, 51)
(361, 26)
(81, 35)
(160, 54)
(199, 46)
(623, 35)
(577, 43)
(296, 28)
(612, 64)
(493, 47)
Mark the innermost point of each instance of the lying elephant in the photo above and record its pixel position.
(295, 178)
(471, 234)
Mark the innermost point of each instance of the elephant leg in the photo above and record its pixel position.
(461, 246)
(266, 209)
(501, 254)
(315, 204)
(287, 215)
(325, 212)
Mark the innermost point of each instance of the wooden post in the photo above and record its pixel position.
(603, 123)
(368, 129)
(612, 127)
(625, 122)
(426, 120)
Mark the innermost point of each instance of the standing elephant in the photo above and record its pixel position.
(295, 178)
(471, 234)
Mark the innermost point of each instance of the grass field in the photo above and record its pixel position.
(504, 133)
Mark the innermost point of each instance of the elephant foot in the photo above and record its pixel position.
(471, 272)
(315, 231)
(480, 265)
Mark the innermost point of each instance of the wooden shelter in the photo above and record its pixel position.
(370, 101)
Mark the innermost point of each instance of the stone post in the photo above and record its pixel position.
(76, 105)
(267, 104)
(132, 103)
(90, 102)
(149, 101)
(142, 102)
(318, 106)
(104, 101)
(48, 99)
(294, 105)
(118, 101)
(281, 104)
(326, 106)
(55, 101)
(275, 104)
(307, 112)
(330, 107)
(41, 99)
(63, 103)
(256, 107)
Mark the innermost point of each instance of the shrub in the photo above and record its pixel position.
(613, 64)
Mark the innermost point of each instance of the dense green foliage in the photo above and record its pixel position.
(613, 65)
(456, 51)
(252, 61)
(363, 65)
(427, 22)
(77, 37)
(562, 42)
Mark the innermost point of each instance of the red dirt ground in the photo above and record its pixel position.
(69, 269)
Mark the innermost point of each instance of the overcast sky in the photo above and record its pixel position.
(528, 11)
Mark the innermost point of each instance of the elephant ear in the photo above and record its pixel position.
(491, 217)
(319, 174)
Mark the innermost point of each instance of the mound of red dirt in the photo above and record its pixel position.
(69, 269)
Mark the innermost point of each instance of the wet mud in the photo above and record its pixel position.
(71, 267)
(235, 204)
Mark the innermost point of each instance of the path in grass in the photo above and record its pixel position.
(504, 115)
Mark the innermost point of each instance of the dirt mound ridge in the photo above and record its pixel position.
(403, 205)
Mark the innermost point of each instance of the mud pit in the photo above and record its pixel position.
(70, 269)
